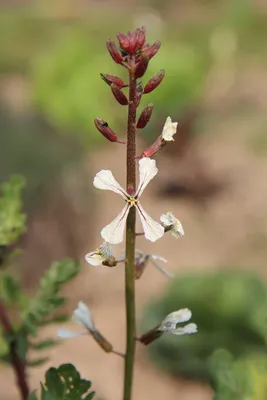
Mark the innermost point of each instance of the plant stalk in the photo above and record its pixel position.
(17, 362)
(130, 240)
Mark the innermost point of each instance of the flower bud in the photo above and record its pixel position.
(109, 79)
(114, 52)
(154, 148)
(141, 66)
(102, 127)
(119, 95)
(154, 81)
(141, 37)
(151, 50)
(145, 116)
(132, 41)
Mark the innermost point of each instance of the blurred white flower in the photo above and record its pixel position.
(103, 253)
(173, 224)
(142, 259)
(81, 316)
(113, 233)
(169, 130)
(169, 323)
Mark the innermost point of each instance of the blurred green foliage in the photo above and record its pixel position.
(12, 220)
(230, 309)
(28, 313)
(244, 378)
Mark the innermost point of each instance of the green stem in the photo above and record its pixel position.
(130, 241)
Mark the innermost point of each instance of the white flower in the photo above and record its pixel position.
(169, 323)
(142, 259)
(82, 316)
(103, 253)
(113, 233)
(169, 130)
(169, 221)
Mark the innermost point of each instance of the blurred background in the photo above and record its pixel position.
(213, 178)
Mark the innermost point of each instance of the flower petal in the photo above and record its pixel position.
(159, 267)
(169, 130)
(113, 232)
(82, 316)
(94, 258)
(174, 318)
(66, 333)
(186, 330)
(106, 250)
(147, 171)
(105, 180)
(152, 229)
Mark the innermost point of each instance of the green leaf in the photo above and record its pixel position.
(10, 290)
(32, 396)
(48, 298)
(44, 344)
(4, 349)
(37, 362)
(12, 220)
(65, 383)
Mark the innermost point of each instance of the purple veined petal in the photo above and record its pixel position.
(113, 232)
(186, 330)
(67, 334)
(147, 171)
(152, 229)
(105, 180)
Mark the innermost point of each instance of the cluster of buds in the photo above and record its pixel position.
(134, 54)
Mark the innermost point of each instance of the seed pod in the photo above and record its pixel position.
(119, 95)
(103, 343)
(141, 66)
(114, 52)
(154, 82)
(145, 116)
(109, 79)
(151, 50)
(105, 130)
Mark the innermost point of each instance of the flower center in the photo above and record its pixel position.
(132, 201)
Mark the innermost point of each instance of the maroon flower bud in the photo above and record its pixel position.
(151, 50)
(119, 95)
(145, 116)
(132, 41)
(154, 81)
(109, 79)
(105, 130)
(141, 37)
(114, 52)
(154, 148)
(141, 66)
